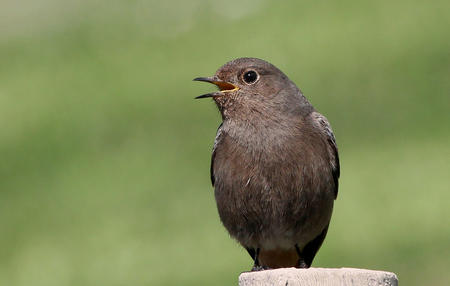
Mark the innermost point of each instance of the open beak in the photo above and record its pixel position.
(222, 85)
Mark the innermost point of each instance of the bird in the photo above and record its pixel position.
(274, 164)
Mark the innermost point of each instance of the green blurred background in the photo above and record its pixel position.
(104, 173)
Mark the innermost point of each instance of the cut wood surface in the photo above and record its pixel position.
(318, 277)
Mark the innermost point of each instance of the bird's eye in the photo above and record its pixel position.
(250, 77)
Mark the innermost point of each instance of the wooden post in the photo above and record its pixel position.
(318, 277)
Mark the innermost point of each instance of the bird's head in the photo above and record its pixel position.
(251, 85)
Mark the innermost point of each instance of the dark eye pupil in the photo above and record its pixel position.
(250, 76)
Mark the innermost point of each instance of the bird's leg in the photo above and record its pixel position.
(256, 266)
(301, 262)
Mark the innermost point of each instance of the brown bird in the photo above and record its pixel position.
(274, 166)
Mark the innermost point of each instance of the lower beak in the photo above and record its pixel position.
(222, 85)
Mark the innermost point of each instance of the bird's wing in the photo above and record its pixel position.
(325, 127)
(216, 142)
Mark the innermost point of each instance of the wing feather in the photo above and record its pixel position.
(213, 155)
(325, 127)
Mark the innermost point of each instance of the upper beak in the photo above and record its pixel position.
(222, 85)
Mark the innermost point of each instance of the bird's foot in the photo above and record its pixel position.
(260, 268)
(301, 264)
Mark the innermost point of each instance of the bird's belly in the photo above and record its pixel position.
(272, 216)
